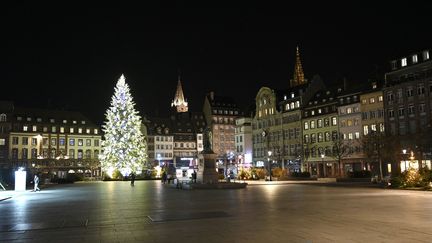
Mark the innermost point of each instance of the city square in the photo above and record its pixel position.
(264, 212)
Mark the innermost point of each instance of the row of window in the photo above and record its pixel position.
(372, 114)
(225, 112)
(184, 145)
(373, 128)
(409, 92)
(372, 100)
(164, 138)
(348, 110)
(34, 128)
(293, 133)
(265, 112)
(320, 123)
(322, 137)
(163, 155)
(164, 146)
(225, 120)
(53, 153)
(292, 105)
(51, 120)
(53, 141)
(411, 111)
(349, 122)
(413, 60)
(320, 111)
(224, 127)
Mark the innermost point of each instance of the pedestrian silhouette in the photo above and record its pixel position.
(132, 179)
(36, 183)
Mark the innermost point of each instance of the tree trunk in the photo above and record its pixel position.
(381, 170)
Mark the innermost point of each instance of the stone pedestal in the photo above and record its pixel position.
(207, 168)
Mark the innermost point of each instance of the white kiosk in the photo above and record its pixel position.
(20, 179)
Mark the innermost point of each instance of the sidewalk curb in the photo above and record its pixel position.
(6, 198)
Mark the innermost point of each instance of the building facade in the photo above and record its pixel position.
(243, 142)
(220, 113)
(52, 142)
(408, 104)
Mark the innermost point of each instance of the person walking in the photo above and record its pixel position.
(36, 183)
(132, 179)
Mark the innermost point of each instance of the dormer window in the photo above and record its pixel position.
(425, 55)
(292, 94)
(64, 121)
(403, 62)
(285, 97)
(414, 58)
(83, 122)
(28, 118)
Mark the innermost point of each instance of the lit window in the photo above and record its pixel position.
(373, 127)
(2, 141)
(372, 100)
(61, 129)
(28, 118)
(80, 142)
(64, 121)
(95, 131)
(34, 128)
(71, 130)
(426, 55)
(74, 122)
(306, 125)
(39, 119)
(357, 135)
(297, 104)
(83, 122)
(404, 62)
(364, 101)
(380, 98)
(365, 130)
(52, 120)
(19, 118)
(88, 131)
(349, 110)
(334, 121)
(292, 105)
(79, 130)
(414, 58)
(292, 95)
(53, 129)
(25, 128)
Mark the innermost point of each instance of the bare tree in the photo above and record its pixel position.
(378, 146)
(341, 149)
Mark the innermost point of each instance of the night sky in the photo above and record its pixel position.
(70, 57)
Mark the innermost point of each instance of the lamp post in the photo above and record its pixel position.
(269, 165)
(404, 151)
(322, 161)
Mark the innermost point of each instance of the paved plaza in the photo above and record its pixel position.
(151, 212)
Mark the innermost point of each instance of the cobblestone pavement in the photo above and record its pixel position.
(151, 212)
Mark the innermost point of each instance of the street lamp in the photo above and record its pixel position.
(404, 151)
(158, 158)
(269, 165)
(322, 160)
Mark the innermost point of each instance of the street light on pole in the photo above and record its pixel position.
(322, 160)
(269, 165)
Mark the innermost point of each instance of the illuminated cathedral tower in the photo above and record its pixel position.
(179, 101)
(298, 77)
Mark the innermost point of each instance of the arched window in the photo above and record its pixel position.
(2, 117)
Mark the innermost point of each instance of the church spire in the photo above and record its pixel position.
(298, 77)
(179, 101)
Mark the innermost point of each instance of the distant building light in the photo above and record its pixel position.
(414, 58)
(404, 62)
(426, 55)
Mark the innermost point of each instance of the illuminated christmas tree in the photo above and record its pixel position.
(124, 147)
